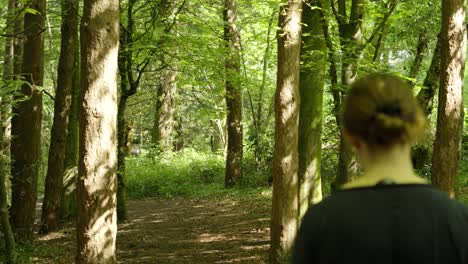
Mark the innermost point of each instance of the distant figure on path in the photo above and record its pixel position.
(389, 214)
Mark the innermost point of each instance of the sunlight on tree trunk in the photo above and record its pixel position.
(312, 77)
(450, 110)
(96, 189)
(233, 95)
(285, 160)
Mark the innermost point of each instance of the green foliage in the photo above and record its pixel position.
(188, 173)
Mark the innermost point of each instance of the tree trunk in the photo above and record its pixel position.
(450, 111)
(350, 39)
(312, 77)
(233, 95)
(96, 189)
(4, 215)
(68, 205)
(59, 131)
(285, 159)
(423, 40)
(26, 126)
(121, 153)
(179, 135)
(420, 154)
(165, 109)
(10, 245)
(431, 82)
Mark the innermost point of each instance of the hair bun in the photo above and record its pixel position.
(387, 128)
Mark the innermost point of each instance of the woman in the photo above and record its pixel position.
(390, 214)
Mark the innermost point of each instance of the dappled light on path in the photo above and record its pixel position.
(195, 231)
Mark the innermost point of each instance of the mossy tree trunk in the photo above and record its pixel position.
(285, 211)
(96, 190)
(312, 76)
(26, 125)
(450, 110)
(59, 131)
(233, 96)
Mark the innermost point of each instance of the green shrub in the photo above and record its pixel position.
(184, 173)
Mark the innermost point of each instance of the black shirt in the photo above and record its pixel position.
(407, 223)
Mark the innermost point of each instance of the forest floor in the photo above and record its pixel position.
(227, 229)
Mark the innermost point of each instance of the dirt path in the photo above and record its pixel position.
(179, 230)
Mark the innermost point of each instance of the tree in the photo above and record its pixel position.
(285, 160)
(7, 231)
(233, 95)
(96, 189)
(450, 109)
(68, 201)
(163, 125)
(312, 75)
(128, 87)
(26, 125)
(165, 109)
(57, 149)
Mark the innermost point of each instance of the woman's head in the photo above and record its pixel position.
(381, 110)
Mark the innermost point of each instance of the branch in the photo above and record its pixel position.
(381, 25)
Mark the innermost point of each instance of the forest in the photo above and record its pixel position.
(175, 131)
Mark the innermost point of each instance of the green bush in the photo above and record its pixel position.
(184, 173)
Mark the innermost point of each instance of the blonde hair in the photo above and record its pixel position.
(382, 110)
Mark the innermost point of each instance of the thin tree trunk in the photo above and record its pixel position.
(420, 154)
(10, 245)
(96, 190)
(233, 95)
(7, 230)
(26, 126)
(350, 39)
(258, 143)
(431, 82)
(68, 205)
(450, 110)
(312, 77)
(59, 131)
(128, 87)
(285, 209)
(423, 41)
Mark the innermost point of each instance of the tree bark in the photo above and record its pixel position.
(423, 40)
(68, 201)
(312, 77)
(285, 159)
(233, 95)
(165, 110)
(431, 83)
(96, 189)
(26, 126)
(59, 131)
(450, 110)
(420, 154)
(350, 39)
(10, 244)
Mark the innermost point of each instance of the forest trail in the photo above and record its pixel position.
(182, 230)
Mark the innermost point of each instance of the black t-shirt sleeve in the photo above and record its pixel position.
(305, 245)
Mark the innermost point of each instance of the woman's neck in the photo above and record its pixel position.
(393, 164)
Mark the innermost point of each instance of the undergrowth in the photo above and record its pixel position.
(187, 173)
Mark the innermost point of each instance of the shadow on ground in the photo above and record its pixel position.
(180, 230)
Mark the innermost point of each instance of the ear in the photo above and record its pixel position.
(352, 139)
